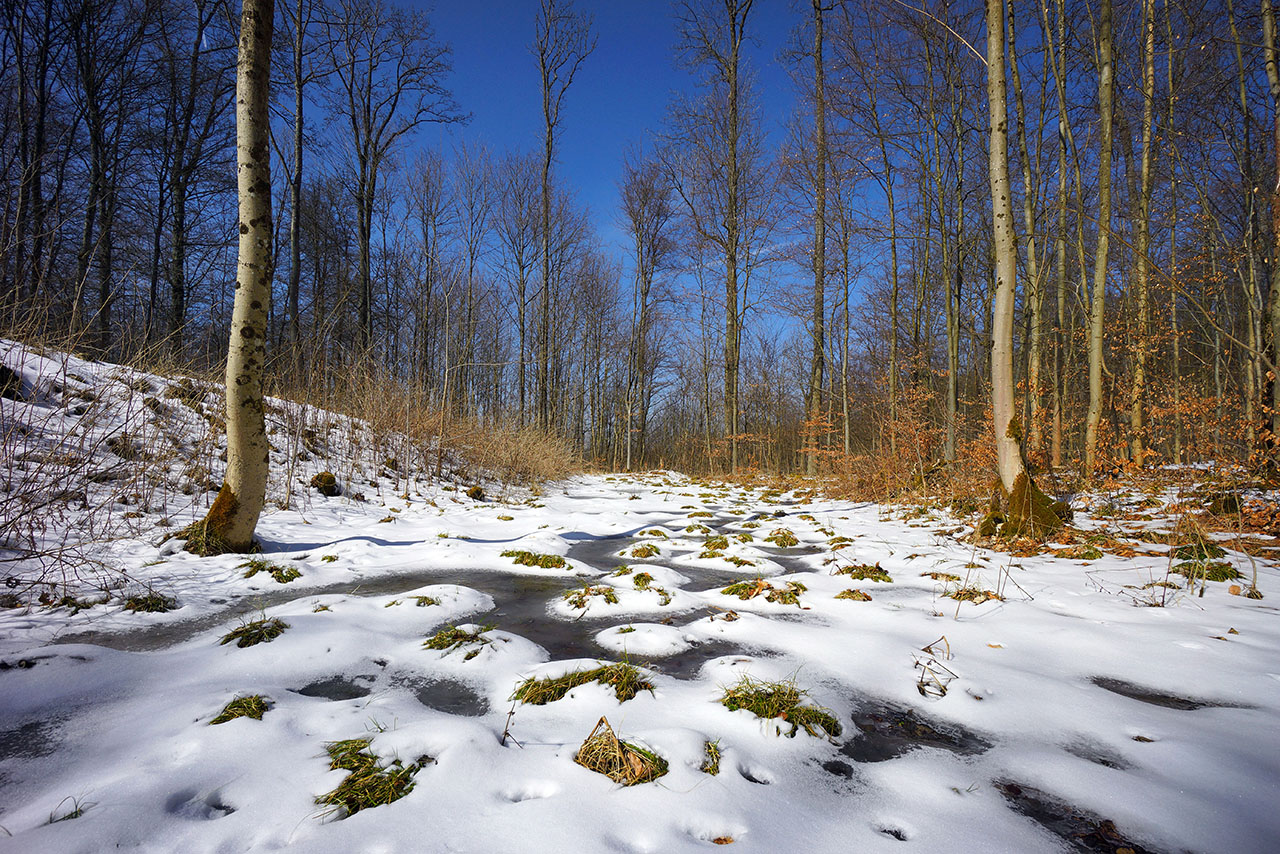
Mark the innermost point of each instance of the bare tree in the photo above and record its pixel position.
(519, 218)
(390, 71)
(713, 161)
(648, 216)
(817, 368)
(1098, 299)
(562, 42)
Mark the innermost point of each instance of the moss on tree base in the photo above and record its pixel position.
(207, 538)
(1024, 512)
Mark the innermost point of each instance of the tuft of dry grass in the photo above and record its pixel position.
(620, 761)
(974, 594)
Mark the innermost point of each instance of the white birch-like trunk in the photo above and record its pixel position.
(1008, 453)
(234, 514)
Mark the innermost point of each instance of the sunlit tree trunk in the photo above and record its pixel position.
(231, 520)
(1098, 299)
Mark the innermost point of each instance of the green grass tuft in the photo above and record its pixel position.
(780, 700)
(368, 784)
(854, 595)
(1198, 551)
(253, 706)
(782, 538)
(710, 758)
(642, 580)
(865, 572)
(1214, 570)
(580, 597)
(744, 590)
(255, 632)
(626, 681)
(151, 603)
(453, 637)
(525, 558)
(282, 574)
(644, 550)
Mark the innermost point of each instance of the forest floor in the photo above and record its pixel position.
(1102, 693)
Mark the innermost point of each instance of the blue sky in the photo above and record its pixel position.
(618, 99)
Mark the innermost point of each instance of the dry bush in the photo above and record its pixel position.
(411, 426)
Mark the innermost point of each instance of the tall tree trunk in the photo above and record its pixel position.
(1143, 242)
(1005, 250)
(1273, 306)
(1098, 299)
(295, 185)
(816, 368)
(230, 523)
(1033, 300)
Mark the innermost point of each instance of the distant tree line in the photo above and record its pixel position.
(797, 290)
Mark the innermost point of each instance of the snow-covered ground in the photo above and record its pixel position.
(1071, 715)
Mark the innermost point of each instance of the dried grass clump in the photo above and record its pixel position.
(526, 558)
(865, 572)
(780, 700)
(644, 550)
(254, 706)
(151, 603)
(716, 543)
(854, 595)
(744, 590)
(974, 594)
(368, 784)
(782, 538)
(642, 580)
(626, 681)
(255, 632)
(1084, 551)
(282, 574)
(620, 761)
(940, 576)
